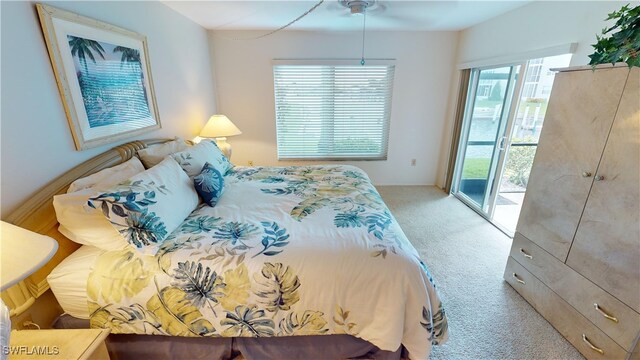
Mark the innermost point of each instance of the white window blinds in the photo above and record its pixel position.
(335, 112)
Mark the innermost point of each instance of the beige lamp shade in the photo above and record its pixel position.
(219, 126)
(22, 252)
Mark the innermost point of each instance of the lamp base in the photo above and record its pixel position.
(224, 146)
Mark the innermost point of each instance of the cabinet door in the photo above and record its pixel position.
(580, 113)
(606, 248)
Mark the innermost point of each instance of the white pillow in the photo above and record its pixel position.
(68, 280)
(149, 206)
(85, 225)
(154, 154)
(193, 159)
(108, 177)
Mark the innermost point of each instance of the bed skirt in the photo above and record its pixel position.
(131, 346)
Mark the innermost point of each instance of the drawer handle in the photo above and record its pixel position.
(593, 347)
(603, 313)
(525, 254)
(518, 279)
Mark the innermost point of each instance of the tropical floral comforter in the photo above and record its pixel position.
(287, 251)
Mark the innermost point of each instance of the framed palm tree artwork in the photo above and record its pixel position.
(103, 75)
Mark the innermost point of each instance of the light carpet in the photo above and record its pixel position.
(467, 256)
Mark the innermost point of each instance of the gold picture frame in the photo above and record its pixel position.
(104, 77)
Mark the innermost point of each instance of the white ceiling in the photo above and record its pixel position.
(387, 15)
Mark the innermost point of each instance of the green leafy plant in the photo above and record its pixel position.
(622, 45)
(496, 92)
(519, 162)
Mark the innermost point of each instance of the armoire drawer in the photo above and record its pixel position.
(580, 332)
(623, 323)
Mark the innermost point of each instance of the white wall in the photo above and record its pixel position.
(537, 25)
(36, 141)
(424, 65)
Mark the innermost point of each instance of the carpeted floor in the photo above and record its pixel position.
(467, 256)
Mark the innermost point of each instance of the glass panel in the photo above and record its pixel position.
(535, 97)
(528, 121)
(484, 126)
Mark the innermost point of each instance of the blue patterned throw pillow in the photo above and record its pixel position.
(209, 184)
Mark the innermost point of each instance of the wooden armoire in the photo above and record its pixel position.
(576, 252)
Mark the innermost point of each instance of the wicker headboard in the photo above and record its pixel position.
(37, 214)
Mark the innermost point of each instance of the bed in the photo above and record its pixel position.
(289, 259)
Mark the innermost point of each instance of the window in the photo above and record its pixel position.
(484, 88)
(529, 90)
(334, 112)
(532, 78)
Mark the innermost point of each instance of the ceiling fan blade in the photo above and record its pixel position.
(377, 9)
(334, 6)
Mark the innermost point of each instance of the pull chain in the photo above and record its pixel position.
(276, 30)
(364, 25)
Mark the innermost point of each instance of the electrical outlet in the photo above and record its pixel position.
(250, 162)
(413, 162)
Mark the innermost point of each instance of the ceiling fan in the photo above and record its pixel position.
(377, 8)
(359, 7)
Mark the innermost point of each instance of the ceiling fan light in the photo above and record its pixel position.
(357, 7)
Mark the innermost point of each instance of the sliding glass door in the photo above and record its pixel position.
(488, 105)
(522, 138)
(503, 117)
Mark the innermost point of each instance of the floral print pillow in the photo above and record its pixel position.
(193, 159)
(209, 184)
(146, 208)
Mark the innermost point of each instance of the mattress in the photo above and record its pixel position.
(68, 281)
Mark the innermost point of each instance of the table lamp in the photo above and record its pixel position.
(220, 127)
(22, 252)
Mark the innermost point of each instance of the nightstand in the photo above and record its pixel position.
(59, 344)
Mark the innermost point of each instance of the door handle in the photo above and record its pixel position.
(503, 141)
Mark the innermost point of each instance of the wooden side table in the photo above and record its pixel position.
(59, 344)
